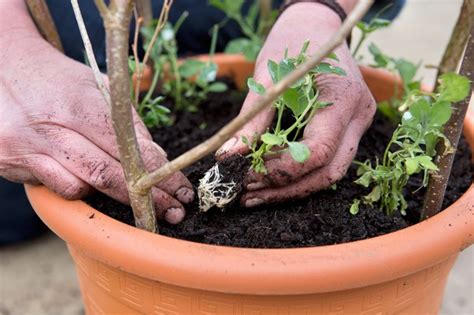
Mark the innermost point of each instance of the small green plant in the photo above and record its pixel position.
(187, 83)
(150, 108)
(407, 70)
(368, 28)
(301, 100)
(412, 146)
(254, 26)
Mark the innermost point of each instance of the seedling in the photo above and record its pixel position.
(368, 28)
(254, 26)
(301, 100)
(406, 70)
(187, 83)
(412, 146)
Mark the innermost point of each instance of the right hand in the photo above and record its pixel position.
(55, 129)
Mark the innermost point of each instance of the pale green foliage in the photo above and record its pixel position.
(300, 100)
(251, 25)
(412, 146)
(187, 83)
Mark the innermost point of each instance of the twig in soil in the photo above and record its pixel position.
(90, 52)
(264, 101)
(453, 129)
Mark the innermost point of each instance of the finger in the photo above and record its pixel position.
(176, 185)
(100, 132)
(54, 176)
(19, 175)
(95, 167)
(317, 180)
(253, 128)
(166, 207)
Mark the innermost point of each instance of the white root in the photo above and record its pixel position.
(213, 192)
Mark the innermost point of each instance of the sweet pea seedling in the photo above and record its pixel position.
(252, 27)
(187, 83)
(301, 100)
(412, 146)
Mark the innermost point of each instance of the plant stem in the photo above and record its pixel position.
(177, 78)
(359, 44)
(265, 11)
(455, 47)
(453, 129)
(116, 23)
(90, 52)
(145, 11)
(263, 102)
(44, 22)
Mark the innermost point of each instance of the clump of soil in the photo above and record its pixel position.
(319, 219)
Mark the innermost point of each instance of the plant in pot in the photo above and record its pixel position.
(127, 270)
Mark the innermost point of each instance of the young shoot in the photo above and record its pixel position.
(254, 26)
(412, 146)
(149, 108)
(188, 82)
(301, 101)
(406, 70)
(368, 28)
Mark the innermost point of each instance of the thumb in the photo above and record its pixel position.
(251, 130)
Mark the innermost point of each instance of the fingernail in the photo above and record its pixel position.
(256, 186)
(253, 202)
(174, 215)
(185, 194)
(227, 146)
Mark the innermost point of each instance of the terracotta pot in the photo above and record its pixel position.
(125, 270)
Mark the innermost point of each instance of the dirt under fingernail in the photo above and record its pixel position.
(185, 194)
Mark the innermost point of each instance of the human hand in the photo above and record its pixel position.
(333, 134)
(56, 130)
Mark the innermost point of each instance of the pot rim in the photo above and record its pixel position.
(260, 271)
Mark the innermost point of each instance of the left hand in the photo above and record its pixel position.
(333, 134)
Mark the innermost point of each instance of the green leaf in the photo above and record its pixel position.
(217, 87)
(245, 46)
(411, 165)
(325, 67)
(419, 110)
(380, 59)
(440, 113)
(294, 101)
(271, 139)
(255, 86)
(453, 87)
(191, 67)
(285, 67)
(333, 56)
(273, 70)
(208, 73)
(364, 180)
(406, 69)
(431, 140)
(378, 23)
(299, 152)
(355, 207)
(426, 162)
(373, 196)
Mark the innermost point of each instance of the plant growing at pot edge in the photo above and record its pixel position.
(255, 25)
(412, 146)
(187, 83)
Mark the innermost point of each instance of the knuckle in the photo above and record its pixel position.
(336, 172)
(102, 176)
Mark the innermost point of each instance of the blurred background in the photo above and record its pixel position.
(37, 277)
